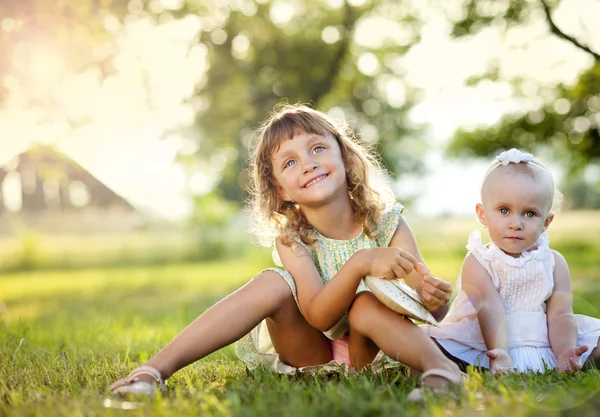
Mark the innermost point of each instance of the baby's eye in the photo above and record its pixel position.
(289, 163)
(530, 214)
(503, 210)
(319, 148)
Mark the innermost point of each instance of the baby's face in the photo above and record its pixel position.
(515, 209)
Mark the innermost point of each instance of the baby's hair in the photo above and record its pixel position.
(534, 169)
(271, 216)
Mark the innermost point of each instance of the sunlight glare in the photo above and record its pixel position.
(330, 34)
(239, 46)
(111, 24)
(281, 13)
(11, 189)
(334, 4)
(172, 4)
(375, 32)
(7, 25)
(393, 89)
(248, 8)
(368, 64)
(42, 63)
(135, 7)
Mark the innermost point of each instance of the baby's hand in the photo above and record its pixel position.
(500, 361)
(570, 359)
(391, 263)
(435, 293)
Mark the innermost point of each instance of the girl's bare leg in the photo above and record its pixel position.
(297, 342)
(373, 326)
(266, 296)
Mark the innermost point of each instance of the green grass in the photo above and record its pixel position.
(65, 335)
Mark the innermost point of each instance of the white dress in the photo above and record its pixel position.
(524, 285)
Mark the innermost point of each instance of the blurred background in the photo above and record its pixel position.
(124, 127)
(124, 124)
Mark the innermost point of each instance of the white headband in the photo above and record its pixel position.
(514, 156)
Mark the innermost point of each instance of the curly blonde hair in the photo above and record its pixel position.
(272, 217)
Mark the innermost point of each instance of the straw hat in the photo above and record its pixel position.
(399, 297)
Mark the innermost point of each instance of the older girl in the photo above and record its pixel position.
(318, 195)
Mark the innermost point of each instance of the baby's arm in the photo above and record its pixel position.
(434, 292)
(478, 285)
(562, 327)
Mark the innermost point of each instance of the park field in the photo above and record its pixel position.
(67, 334)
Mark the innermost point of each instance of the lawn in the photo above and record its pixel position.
(65, 335)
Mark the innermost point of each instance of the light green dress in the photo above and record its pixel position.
(256, 349)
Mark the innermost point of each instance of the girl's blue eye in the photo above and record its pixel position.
(289, 163)
(503, 210)
(319, 148)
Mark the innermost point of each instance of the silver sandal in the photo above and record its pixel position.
(456, 381)
(131, 384)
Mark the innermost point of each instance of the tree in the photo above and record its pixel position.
(565, 124)
(267, 53)
(259, 53)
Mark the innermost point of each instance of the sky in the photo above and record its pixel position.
(124, 144)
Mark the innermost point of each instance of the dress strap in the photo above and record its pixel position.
(275, 254)
(388, 223)
(476, 246)
(474, 240)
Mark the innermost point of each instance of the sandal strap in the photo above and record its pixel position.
(144, 370)
(443, 373)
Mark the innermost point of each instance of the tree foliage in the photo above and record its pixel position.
(256, 60)
(77, 27)
(344, 57)
(568, 125)
(260, 53)
(565, 124)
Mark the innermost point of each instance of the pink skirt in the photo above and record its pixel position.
(340, 351)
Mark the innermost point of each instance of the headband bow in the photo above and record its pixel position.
(515, 156)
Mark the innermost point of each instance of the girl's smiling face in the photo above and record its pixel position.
(309, 169)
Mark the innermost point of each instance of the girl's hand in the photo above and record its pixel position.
(500, 361)
(570, 359)
(390, 263)
(435, 293)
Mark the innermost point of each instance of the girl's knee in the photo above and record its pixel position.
(274, 280)
(276, 287)
(362, 309)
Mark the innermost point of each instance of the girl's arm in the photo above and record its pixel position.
(434, 292)
(478, 285)
(324, 305)
(562, 327)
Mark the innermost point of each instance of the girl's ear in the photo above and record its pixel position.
(548, 221)
(480, 213)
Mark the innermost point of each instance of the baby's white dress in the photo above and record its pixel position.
(524, 285)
